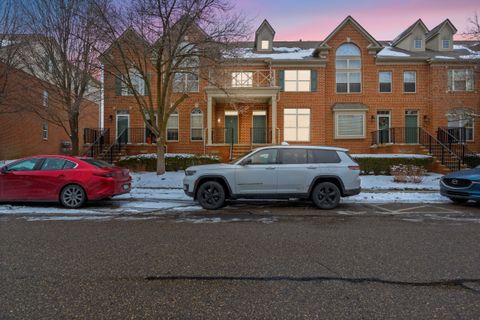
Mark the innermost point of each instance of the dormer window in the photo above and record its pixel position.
(446, 44)
(418, 43)
(265, 45)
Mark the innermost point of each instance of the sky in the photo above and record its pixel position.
(383, 19)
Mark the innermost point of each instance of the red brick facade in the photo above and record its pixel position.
(432, 100)
(21, 133)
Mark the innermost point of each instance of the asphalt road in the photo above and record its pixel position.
(250, 261)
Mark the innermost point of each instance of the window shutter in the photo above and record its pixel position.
(146, 91)
(281, 79)
(450, 80)
(118, 86)
(313, 80)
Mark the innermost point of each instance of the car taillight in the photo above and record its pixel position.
(104, 174)
(354, 167)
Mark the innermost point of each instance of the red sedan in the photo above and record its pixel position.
(70, 180)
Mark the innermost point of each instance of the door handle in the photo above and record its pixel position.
(311, 167)
(270, 168)
(61, 176)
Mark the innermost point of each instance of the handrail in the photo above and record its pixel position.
(460, 148)
(98, 144)
(117, 144)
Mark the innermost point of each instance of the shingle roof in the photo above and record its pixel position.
(435, 30)
(407, 31)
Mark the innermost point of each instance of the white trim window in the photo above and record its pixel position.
(350, 125)
(297, 80)
(462, 120)
(45, 99)
(418, 43)
(265, 45)
(138, 84)
(385, 81)
(446, 44)
(185, 82)
(296, 124)
(45, 130)
(460, 80)
(410, 81)
(196, 125)
(172, 127)
(242, 79)
(348, 64)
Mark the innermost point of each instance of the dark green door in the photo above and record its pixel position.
(231, 129)
(411, 128)
(259, 130)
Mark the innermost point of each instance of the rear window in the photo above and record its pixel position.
(323, 156)
(98, 163)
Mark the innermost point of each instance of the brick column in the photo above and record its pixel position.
(274, 119)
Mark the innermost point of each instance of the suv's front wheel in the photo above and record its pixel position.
(211, 195)
(326, 195)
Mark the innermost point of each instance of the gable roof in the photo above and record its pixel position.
(408, 31)
(374, 43)
(437, 29)
(267, 24)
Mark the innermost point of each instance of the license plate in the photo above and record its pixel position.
(126, 187)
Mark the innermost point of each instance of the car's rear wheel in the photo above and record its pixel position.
(326, 195)
(73, 196)
(459, 200)
(211, 195)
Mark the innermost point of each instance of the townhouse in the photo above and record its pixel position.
(349, 90)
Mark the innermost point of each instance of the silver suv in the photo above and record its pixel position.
(322, 174)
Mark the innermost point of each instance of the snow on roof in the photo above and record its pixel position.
(473, 54)
(278, 53)
(389, 52)
(444, 57)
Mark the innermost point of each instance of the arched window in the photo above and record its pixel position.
(348, 68)
(196, 125)
(172, 127)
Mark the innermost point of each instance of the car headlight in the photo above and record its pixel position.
(190, 172)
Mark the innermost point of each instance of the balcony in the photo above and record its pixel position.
(242, 79)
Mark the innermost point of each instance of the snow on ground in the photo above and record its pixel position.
(152, 194)
(170, 155)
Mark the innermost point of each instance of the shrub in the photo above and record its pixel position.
(382, 165)
(408, 173)
(173, 161)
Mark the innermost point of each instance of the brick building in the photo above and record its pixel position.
(24, 133)
(349, 90)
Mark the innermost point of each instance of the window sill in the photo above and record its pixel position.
(350, 138)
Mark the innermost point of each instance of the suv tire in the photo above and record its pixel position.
(326, 195)
(211, 195)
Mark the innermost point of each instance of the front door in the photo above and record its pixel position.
(259, 130)
(383, 125)
(123, 122)
(411, 127)
(231, 129)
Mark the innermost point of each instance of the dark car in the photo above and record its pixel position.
(68, 180)
(461, 186)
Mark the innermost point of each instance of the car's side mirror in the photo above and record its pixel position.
(246, 162)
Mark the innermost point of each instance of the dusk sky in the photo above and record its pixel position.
(314, 19)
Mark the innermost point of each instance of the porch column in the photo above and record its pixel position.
(274, 119)
(209, 120)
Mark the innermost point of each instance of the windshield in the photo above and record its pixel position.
(98, 163)
(241, 157)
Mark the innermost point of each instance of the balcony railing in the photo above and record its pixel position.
(242, 78)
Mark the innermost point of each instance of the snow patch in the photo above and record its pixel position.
(444, 57)
(278, 53)
(170, 155)
(389, 52)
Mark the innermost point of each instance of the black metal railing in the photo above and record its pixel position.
(416, 135)
(115, 149)
(457, 143)
(452, 135)
(98, 140)
(402, 135)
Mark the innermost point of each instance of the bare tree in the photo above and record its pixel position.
(61, 57)
(168, 46)
(473, 30)
(10, 43)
